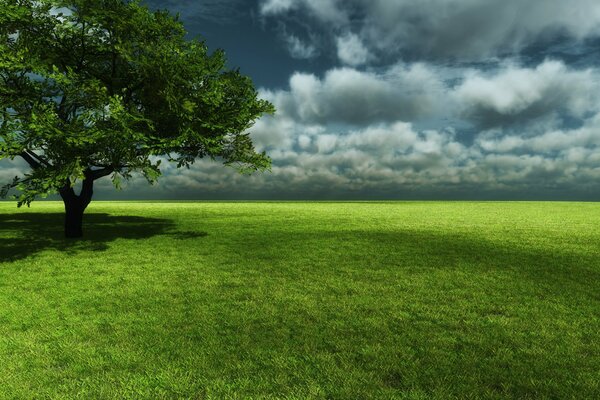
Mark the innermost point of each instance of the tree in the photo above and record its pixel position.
(95, 88)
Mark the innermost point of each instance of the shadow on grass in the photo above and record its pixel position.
(338, 297)
(539, 262)
(23, 235)
(373, 255)
(231, 332)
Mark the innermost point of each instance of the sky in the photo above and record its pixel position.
(403, 99)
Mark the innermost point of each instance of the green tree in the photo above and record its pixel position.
(95, 88)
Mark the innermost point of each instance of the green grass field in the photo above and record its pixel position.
(406, 300)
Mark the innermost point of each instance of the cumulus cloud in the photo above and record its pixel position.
(365, 133)
(350, 96)
(377, 126)
(351, 50)
(382, 156)
(313, 151)
(11, 168)
(551, 141)
(398, 160)
(507, 96)
(517, 95)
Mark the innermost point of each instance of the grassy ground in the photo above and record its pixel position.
(302, 300)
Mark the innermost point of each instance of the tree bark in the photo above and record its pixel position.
(75, 205)
(73, 220)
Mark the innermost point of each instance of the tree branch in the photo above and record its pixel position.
(87, 188)
(82, 60)
(113, 166)
(39, 158)
(62, 113)
(99, 173)
(67, 193)
(33, 163)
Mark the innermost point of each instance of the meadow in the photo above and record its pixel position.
(301, 300)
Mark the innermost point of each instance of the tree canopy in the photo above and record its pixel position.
(94, 88)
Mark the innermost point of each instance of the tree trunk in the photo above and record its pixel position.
(75, 205)
(73, 219)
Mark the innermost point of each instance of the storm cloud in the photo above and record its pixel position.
(443, 29)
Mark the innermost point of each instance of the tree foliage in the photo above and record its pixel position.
(91, 88)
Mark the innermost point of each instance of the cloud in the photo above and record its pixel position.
(390, 160)
(551, 141)
(328, 11)
(351, 50)
(299, 49)
(412, 130)
(378, 157)
(350, 96)
(335, 134)
(9, 169)
(271, 7)
(515, 95)
(448, 29)
(397, 160)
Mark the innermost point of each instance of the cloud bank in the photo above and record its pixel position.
(514, 132)
(442, 29)
(419, 99)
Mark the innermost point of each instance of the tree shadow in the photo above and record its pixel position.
(335, 278)
(25, 234)
(184, 314)
(427, 251)
(553, 268)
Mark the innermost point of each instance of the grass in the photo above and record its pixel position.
(407, 300)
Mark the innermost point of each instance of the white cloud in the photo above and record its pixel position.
(556, 140)
(327, 11)
(299, 49)
(516, 94)
(347, 95)
(276, 6)
(390, 159)
(462, 29)
(369, 132)
(351, 50)
(370, 155)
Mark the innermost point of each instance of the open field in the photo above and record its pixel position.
(415, 300)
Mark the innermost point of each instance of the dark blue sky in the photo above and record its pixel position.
(252, 44)
(405, 99)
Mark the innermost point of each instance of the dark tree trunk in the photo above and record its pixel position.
(73, 220)
(75, 205)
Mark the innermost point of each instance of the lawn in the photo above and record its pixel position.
(265, 300)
